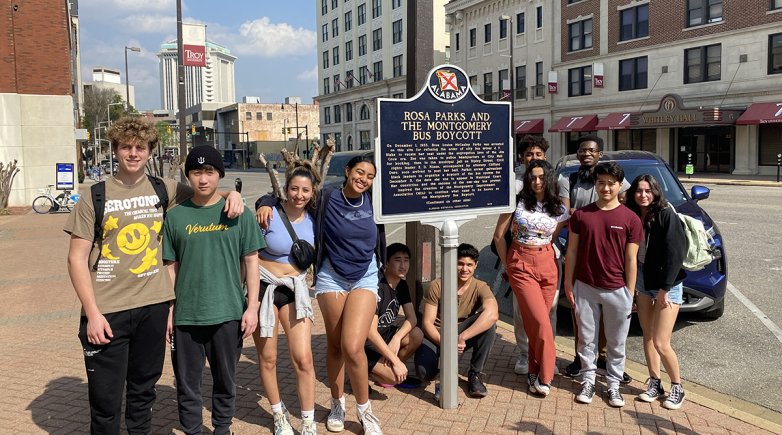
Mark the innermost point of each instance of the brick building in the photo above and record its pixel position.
(37, 114)
(687, 79)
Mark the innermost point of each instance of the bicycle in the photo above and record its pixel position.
(47, 203)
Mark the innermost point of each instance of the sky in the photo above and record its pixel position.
(274, 41)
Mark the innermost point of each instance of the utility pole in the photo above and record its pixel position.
(181, 101)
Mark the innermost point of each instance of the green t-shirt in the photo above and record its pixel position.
(209, 248)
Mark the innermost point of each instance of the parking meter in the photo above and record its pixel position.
(238, 185)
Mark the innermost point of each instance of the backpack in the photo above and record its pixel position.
(98, 194)
(700, 245)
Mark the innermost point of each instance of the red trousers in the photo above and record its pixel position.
(532, 273)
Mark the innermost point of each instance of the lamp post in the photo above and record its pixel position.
(127, 79)
(108, 120)
(510, 68)
(296, 107)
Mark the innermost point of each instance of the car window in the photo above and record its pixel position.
(337, 165)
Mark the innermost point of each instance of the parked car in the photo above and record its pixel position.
(336, 172)
(704, 290)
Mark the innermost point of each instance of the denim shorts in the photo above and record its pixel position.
(330, 281)
(675, 294)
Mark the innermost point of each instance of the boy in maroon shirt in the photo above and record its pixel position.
(600, 274)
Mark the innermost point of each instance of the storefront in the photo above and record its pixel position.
(764, 121)
(574, 127)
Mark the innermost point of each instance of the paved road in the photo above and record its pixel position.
(737, 354)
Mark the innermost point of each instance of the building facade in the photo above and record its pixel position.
(110, 78)
(362, 52)
(214, 83)
(37, 114)
(695, 81)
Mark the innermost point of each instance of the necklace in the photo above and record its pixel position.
(342, 191)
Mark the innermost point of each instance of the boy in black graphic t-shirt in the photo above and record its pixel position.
(389, 343)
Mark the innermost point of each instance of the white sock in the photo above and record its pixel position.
(308, 415)
(342, 402)
(277, 408)
(362, 407)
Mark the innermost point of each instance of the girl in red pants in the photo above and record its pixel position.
(531, 267)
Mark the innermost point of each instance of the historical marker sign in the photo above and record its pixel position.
(442, 154)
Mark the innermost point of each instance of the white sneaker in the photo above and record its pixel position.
(282, 423)
(521, 367)
(542, 389)
(369, 422)
(615, 399)
(309, 428)
(336, 420)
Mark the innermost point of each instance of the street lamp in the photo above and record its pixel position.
(108, 120)
(127, 79)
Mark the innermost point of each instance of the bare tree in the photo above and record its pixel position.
(96, 103)
(7, 174)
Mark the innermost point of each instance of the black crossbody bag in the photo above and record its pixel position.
(302, 252)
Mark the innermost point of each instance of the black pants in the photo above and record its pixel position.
(133, 359)
(221, 345)
(427, 357)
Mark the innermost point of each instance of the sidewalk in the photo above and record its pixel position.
(730, 179)
(43, 389)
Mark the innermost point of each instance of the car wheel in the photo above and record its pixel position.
(716, 311)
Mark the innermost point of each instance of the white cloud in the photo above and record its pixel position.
(262, 38)
(131, 5)
(310, 74)
(149, 23)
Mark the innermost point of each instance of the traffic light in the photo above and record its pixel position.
(289, 130)
(88, 135)
(168, 129)
(192, 129)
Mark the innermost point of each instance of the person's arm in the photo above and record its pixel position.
(503, 222)
(563, 183)
(674, 240)
(486, 319)
(570, 265)
(407, 325)
(98, 328)
(631, 266)
(390, 356)
(250, 316)
(263, 210)
(234, 206)
(427, 323)
(173, 268)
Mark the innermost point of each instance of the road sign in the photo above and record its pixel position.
(64, 176)
(443, 154)
(689, 169)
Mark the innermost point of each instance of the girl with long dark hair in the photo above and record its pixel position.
(531, 266)
(659, 285)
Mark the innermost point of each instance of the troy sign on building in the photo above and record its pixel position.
(194, 44)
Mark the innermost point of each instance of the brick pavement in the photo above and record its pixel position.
(43, 389)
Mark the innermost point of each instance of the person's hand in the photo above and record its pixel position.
(570, 297)
(461, 344)
(399, 369)
(662, 299)
(170, 324)
(264, 216)
(249, 320)
(234, 206)
(98, 330)
(394, 345)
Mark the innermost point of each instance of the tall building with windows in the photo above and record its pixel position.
(362, 54)
(695, 81)
(214, 83)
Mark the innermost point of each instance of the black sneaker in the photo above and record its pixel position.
(475, 387)
(601, 363)
(587, 391)
(675, 397)
(410, 382)
(653, 391)
(573, 369)
(626, 379)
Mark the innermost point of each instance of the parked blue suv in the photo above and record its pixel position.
(704, 290)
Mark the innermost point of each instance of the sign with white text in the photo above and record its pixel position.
(194, 44)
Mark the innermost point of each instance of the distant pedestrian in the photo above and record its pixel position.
(659, 285)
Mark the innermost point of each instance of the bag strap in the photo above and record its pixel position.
(287, 222)
(161, 192)
(98, 195)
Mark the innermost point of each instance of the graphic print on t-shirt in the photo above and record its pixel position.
(128, 237)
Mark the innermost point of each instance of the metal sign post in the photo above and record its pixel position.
(443, 158)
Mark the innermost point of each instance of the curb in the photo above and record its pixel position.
(720, 182)
(747, 412)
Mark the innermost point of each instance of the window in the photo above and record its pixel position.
(397, 31)
(334, 4)
(539, 17)
(335, 56)
(337, 114)
(348, 51)
(398, 96)
(363, 74)
(397, 65)
(334, 27)
(774, 4)
(473, 37)
(377, 70)
(362, 45)
(642, 139)
(362, 13)
(268, 116)
(487, 33)
(521, 82)
(348, 112)
(325, 59)
(633, 73)
(259, 116)
(775, 53)
(579, 81)
(634, 23)
(349, 79)
(703, 12)
(364, 113)
(377, 39)
(348, 20)
(503, 28)
(456, 41)
(326, 89)
(539, 85)
(702, 64)
(324, 7)
(580, 35)
(488, 86)
(502, 75)
(396, 4)
(376, 8)
(325, 32)
(327, 115)
(248, 116)
(520, 22)
(769, 143)
(337, 83)
(364, 138)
